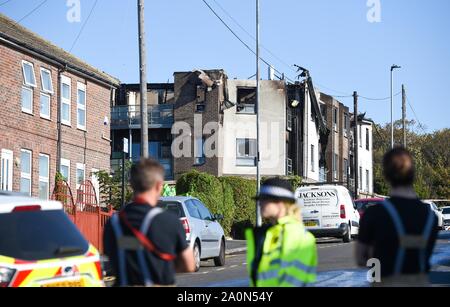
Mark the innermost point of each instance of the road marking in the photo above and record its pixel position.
(233, 266)
(205, 272)
(221, 269)
(244, 263)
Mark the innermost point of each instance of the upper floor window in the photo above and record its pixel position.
(28, 74)
(313, 162)
(246, 100)
(65, 100)
(360, 136)
(246, 151)
(46, 81)
(335, 119)
(81, 106)
(199, 152)
(345, 124)
(367, 139)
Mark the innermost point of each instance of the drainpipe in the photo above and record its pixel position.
(58, 108)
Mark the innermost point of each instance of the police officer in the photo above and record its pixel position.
(401, 231)
(145, 244)
(281, 253)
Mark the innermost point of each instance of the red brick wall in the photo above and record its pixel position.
(20, 130)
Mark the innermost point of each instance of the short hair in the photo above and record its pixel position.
(144, 175)
(398, 167)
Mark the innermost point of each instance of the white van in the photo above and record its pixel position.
(328, 211)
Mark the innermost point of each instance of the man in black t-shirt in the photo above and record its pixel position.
(401, 232)
(163, 248)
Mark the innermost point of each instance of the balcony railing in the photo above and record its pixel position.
(159, 116)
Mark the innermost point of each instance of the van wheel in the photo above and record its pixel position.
(220, 261)
(197, 256)
(348, 235)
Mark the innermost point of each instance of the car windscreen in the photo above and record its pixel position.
(40, 235)
(446, 211)
(172, 206)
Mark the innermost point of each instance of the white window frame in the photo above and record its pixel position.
(244, 161)
(67, 81)
(42, 178)
(65, 162)
(313, 162)
(48, 91)
(49, 106)
(25, 110)
(6, 169)
(83, 167)
(367, 180)
(82, 87)
(27, 175)
(23, 73)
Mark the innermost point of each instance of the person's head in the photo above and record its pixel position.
(277, 200)
(147, 180)
(398, 168)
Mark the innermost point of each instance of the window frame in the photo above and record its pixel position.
(82, 87)
(64, 101)
(80, 166)
(47, 91)
(42, 178)
(65, 162)
(313, 161)
(335, 166)
(367, 180)
(246, 157)
(245, 105)
(367, 139)
(28, 176)
(199, 160)
(24, 62)
(26, 110)
(45, 116)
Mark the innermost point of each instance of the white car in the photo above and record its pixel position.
(329, 211)
(446, 214)
(203, 231)
(436, 211)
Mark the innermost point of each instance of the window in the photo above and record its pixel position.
(360, 136)
(345, 124)
(193, 209)
(204, 212)
(360, 178)
(246, 100)
(46, 81)
(335, 166)
(28, 74)
(367, 139)
(6, 170)
(25, 171)
(81, 106)
(80, 174)
(27, 100)
(345, 170)
(289, 120)
(200, 108)
(367, 181)
(65, 169)
(335, 119)
(65, 100)
(44, 174)
(313, 162)
(246, 152)
(45, 106)
(198, 151)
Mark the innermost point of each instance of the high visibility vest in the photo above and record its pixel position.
(288, 259)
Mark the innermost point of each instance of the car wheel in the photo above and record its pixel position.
(197, 256)
(348, 235)
(220, 261)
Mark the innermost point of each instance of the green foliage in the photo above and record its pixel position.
(228, 208)
(111, 187)
(294, 180)
(431, 154)
(169, 191)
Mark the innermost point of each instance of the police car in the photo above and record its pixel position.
(328, 211)
(41, 247)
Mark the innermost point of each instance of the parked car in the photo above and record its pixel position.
(446, 214)
(41, 247)
(363, 204)
(328, 211)
(203, 231)
(437, 211)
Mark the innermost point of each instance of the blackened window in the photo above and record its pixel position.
(246, 100)
(367, 139)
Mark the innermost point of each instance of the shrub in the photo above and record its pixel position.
(243, 192)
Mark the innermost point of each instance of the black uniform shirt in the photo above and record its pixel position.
(378, 231)
(166, 233)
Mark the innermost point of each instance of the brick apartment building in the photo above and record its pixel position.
(55, 114)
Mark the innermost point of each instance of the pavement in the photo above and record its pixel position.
(337, 267)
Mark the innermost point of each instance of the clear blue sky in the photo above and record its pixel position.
(343, 51)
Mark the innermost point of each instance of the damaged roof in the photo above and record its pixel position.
(15, 33)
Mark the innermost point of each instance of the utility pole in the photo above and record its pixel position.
(143, 79)
(392, 103)
(258, 156)
(404, 114)
(355, 142)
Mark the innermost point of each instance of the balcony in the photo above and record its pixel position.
(129, 117)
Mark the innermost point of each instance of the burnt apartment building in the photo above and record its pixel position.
(55, 114)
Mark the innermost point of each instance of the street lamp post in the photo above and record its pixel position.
(258, 100)
(392, 103)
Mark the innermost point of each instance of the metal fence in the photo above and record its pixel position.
(159, 116)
